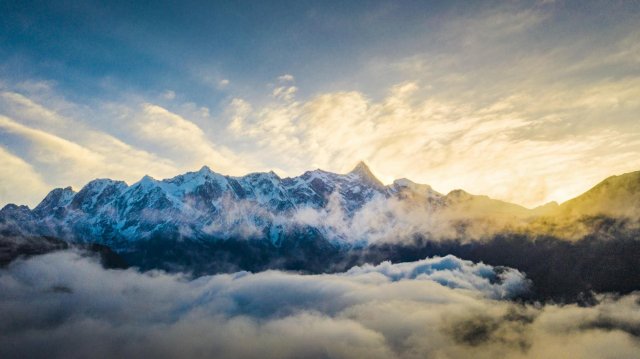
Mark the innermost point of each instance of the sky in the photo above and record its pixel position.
(524, 101)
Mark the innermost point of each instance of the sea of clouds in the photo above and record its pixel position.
(65, 304)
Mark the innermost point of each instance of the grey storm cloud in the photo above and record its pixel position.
(66, 305)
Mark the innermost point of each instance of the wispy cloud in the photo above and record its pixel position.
(175, 137)
(441, 141)
(20, 182)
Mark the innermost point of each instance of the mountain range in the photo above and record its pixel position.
(204, 222)
(205, 205)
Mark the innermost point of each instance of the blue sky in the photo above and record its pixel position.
(527, 101)
(189, 46)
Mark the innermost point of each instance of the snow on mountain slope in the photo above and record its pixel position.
(195, 204)
(203, 205)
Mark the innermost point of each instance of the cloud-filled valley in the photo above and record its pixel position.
(66, 305)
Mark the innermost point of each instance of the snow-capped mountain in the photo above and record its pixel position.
(201, 205)
(206, 206)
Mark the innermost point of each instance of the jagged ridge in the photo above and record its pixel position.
(205, 205)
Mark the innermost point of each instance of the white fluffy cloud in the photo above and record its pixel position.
(61, 305)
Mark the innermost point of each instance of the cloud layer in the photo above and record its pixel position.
(66, 305)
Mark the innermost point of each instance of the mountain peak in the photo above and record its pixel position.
(614, 196)
(361, 166)
(409, 184)
(58, 197)
(404, 182)
(146, 181)
(100, 182)
(460, 194)
(205, 170)
(362, 170)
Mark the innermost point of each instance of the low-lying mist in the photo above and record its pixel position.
(400, 219)
(65, 304)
